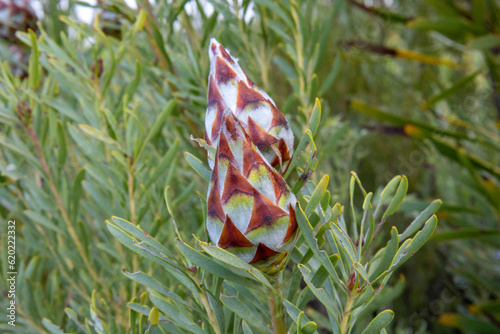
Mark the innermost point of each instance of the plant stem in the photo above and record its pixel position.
(130, 183)
(345, 317)
(164, 61)
(210, 312)
(206, 305)
(59, 202)
(276, 309)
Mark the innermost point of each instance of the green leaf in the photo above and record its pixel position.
(368, 222)
(198, 166)
(275, 8)
(486, 42)
(34, 74)
(362, 272)
(167, 160)
(488, 306)
(452, 26)
(460, 155)
(398, 197)
(153, 253)
(140, 234)
(315, 118)
(465, 233)
(246, 328)
(208, 264)
(232, 303)
(410, 246)
(76, 193)
(234, 261)
(387, 192)
(401, 121)
(141, 20)
(381, 321)
(320, 293)
(150, 282)
(63, 151)
(346, 243)
(97, 134)
(325, 201)
(74, 317)
(312, 242)
(330, 79)
(44, 221)
(19, 149)
(351, 202)
(421, 218)
(173, 313)
(153, 317)
(309, 328)
(54, 329)
(389, 253)
(99, 326)
(293, 311)
(216, 306)
(313, 89)
(307, 140)
(157, 125)
(449, 91)
(358, 181)
(317, 195)
(468, 324)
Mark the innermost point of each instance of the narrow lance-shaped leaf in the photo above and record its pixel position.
(315, 118)
(320, 293)
(197, 165)
(381, 321)
(307, 231)
(368, 223)
(398, 197)
(420, 219)
(387, 191)
(317, 195)
(389, 253)
(173, 313)
(410, 246)
(244, 312)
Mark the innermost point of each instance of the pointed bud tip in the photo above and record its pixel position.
(213, 45)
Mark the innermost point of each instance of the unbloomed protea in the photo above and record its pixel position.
(16, 15)
(230, 88)
(110, 21)
(250, 206)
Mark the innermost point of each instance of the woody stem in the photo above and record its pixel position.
(345, 317)
(276, 308)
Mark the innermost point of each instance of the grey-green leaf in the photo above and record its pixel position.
(198, 166)
(398, 197)
(381, 321)
(421, 218)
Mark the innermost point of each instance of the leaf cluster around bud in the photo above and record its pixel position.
(337, 255)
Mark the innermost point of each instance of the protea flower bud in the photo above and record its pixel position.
(111, 23)
(250, 206)
(16, 15)
(230, 88)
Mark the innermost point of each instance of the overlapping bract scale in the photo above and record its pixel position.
(230, 88)
(250, 206)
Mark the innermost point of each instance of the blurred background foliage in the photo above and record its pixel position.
(94, 119)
